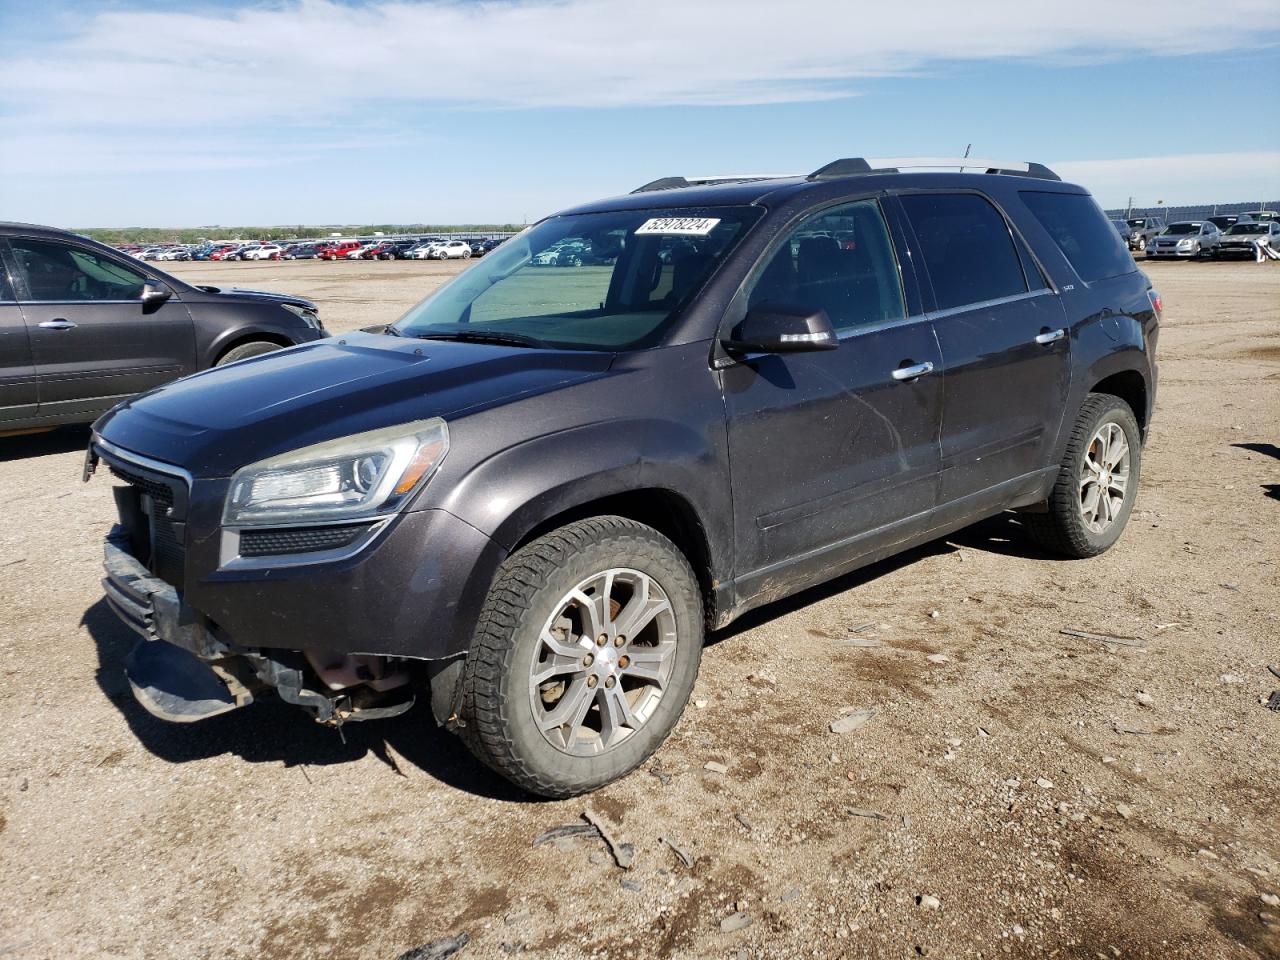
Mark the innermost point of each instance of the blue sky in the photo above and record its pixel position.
(122, 113)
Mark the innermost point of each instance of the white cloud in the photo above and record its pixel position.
(1251, 175)
(304, 61)
(128, 91)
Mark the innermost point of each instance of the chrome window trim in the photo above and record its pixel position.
(882, 325)
(985, 304)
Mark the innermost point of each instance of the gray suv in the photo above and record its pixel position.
(1143, 229)
(83, 326)
(528, 500)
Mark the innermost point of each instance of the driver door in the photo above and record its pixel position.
(91, 342)
(834, 454)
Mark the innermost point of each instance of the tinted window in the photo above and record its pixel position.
(60, 272)
(967, 248)
(840, 261)
(6, 291)
(1082, 233)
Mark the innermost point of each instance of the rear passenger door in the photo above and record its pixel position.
(1005, 347)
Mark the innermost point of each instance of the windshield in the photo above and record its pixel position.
(594, 281)
(1176, 228)
(1238, 228)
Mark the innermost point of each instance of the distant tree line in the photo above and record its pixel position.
(196, 234)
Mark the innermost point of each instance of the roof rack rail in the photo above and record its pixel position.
(672, 183)
(853, 166)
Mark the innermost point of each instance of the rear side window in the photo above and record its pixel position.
(967, 248)
(1081, 231)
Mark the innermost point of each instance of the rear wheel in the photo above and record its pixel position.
(1097, 482)
(254, 348)
(584, 656)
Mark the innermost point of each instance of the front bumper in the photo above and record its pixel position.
(1242, 249)
(413, 588)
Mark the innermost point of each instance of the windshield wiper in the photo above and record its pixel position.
(476, 336)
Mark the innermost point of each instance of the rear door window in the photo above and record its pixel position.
(967, 248)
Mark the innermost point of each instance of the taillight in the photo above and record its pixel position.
(1156, 304)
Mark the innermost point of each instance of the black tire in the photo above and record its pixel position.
(499, 725)
(1063, 528)
(254, 348)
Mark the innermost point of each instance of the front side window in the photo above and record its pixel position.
(60, 272)
(591, 281)
(967, 248)
(840, 261)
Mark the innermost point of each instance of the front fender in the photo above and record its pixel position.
(215, 340)
(521, 487)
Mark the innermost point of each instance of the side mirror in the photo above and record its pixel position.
(774, 327)
(154, 295)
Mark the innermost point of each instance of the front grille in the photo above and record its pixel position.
(288, 540)
(152, 512)
(159, 492)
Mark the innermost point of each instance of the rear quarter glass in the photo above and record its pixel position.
(1080, 229)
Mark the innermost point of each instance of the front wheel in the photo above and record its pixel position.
(584, 656)
(244, 351)
(1097, 482)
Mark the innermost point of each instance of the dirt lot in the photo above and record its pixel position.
(1056, 795)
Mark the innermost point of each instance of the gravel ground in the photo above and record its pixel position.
(1018, 792)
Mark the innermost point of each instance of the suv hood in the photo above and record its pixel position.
(256, 296)
(217, 421)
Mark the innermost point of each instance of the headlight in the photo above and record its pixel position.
(1184, 243)
(308, 316)
(362, 476)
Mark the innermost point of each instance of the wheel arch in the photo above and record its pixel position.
(1131, 387)
(663, 509)
(238, 338)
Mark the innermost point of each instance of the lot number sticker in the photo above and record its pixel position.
(678, 226)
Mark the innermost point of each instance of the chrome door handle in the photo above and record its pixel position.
(58, 325)
(913, 371)
(1050, 336)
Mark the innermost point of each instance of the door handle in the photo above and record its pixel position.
(58, 324)
(913, 371)
(1050, 336)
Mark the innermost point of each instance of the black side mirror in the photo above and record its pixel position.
(154, 295)
(774, 327)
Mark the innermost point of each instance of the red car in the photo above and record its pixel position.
(221, 252)
(339, 251)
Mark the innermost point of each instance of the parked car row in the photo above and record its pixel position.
(415, 248)
(1196, 239)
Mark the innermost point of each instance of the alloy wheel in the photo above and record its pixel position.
(1104, 477)
(604, 660)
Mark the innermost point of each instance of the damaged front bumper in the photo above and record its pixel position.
(183, 670)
